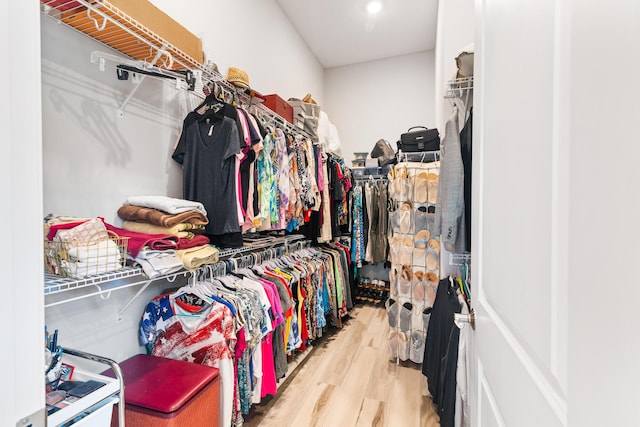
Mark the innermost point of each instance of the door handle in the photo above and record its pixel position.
(462, 319)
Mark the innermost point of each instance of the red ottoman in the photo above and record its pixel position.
(163, 392)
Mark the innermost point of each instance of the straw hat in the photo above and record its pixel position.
(309, 99)
(238, 77)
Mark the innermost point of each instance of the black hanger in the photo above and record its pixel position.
(211, 101)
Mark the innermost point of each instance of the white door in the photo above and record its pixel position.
(556, 210)
(519, 218)
(22, 336)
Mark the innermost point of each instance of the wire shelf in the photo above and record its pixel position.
(457, 88)
(133, 276)
(419, 156)
(107, 24)
(459, 259)
(55, 284)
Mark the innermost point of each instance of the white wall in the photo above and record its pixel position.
(93, 159)
(255, 36)
(455, 31)
(380, 99)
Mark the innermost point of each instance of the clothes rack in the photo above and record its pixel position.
(419, 156)
(459, 259)
(307, 289)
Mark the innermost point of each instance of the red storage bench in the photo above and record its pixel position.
(163, 392)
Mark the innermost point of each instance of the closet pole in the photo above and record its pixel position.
(161, 51)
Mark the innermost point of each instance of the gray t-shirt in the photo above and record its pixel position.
(209, 173)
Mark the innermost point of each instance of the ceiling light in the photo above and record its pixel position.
(374, 7)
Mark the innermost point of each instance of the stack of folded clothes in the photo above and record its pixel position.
(81, 247)
(177, 220)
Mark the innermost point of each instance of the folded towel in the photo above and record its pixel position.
(179, 230)
(105, 249)
(165, 204)
(99, 266)
(158, 263)
(139, 240)
(193, 258)
(158, 217)
(197, 240)
(86, 259)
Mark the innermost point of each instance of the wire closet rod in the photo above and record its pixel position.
(459, 259)
(135, 36)
(366, 178)
(419, 156)
(457, 88)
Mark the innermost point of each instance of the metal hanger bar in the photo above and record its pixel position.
(137, 86)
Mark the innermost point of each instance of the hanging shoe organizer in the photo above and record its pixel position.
(414, 255)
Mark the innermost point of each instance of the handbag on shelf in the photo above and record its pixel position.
(383, 152)
(419, 138)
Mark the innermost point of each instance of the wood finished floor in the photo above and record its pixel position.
(348, 380)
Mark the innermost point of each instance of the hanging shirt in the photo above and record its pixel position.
(282, 177)
(267, 186)
(207, 339)
(211, 148)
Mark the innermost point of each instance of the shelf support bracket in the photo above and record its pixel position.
(135, 297)
(159, 54)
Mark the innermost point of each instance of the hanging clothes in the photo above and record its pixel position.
(449, 221)
(466, 143)
(211, 147)
(246, 323)
(174, 328)
(438, 342)
(277, 189)
(358, 247)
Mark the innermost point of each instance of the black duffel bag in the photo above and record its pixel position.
(419, 138)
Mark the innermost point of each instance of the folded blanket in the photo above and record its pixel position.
(165, 204)
(158, 263)
(179, 230)
(197, 240)
(93, 229)
(193, 258)
(158, 217)
(137, 240)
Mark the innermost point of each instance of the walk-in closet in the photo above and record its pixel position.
(338, 213)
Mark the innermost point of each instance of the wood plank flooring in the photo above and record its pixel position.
(349, 380)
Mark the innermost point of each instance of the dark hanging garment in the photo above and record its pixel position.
(209, 174)
(465, 148)
(223, 109)
(449, 365)
(245, 174)
(438, 334)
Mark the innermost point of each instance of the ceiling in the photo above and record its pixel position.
(341, 32)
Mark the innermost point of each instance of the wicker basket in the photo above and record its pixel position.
(83, 258)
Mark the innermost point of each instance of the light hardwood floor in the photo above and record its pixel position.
(348, 380)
